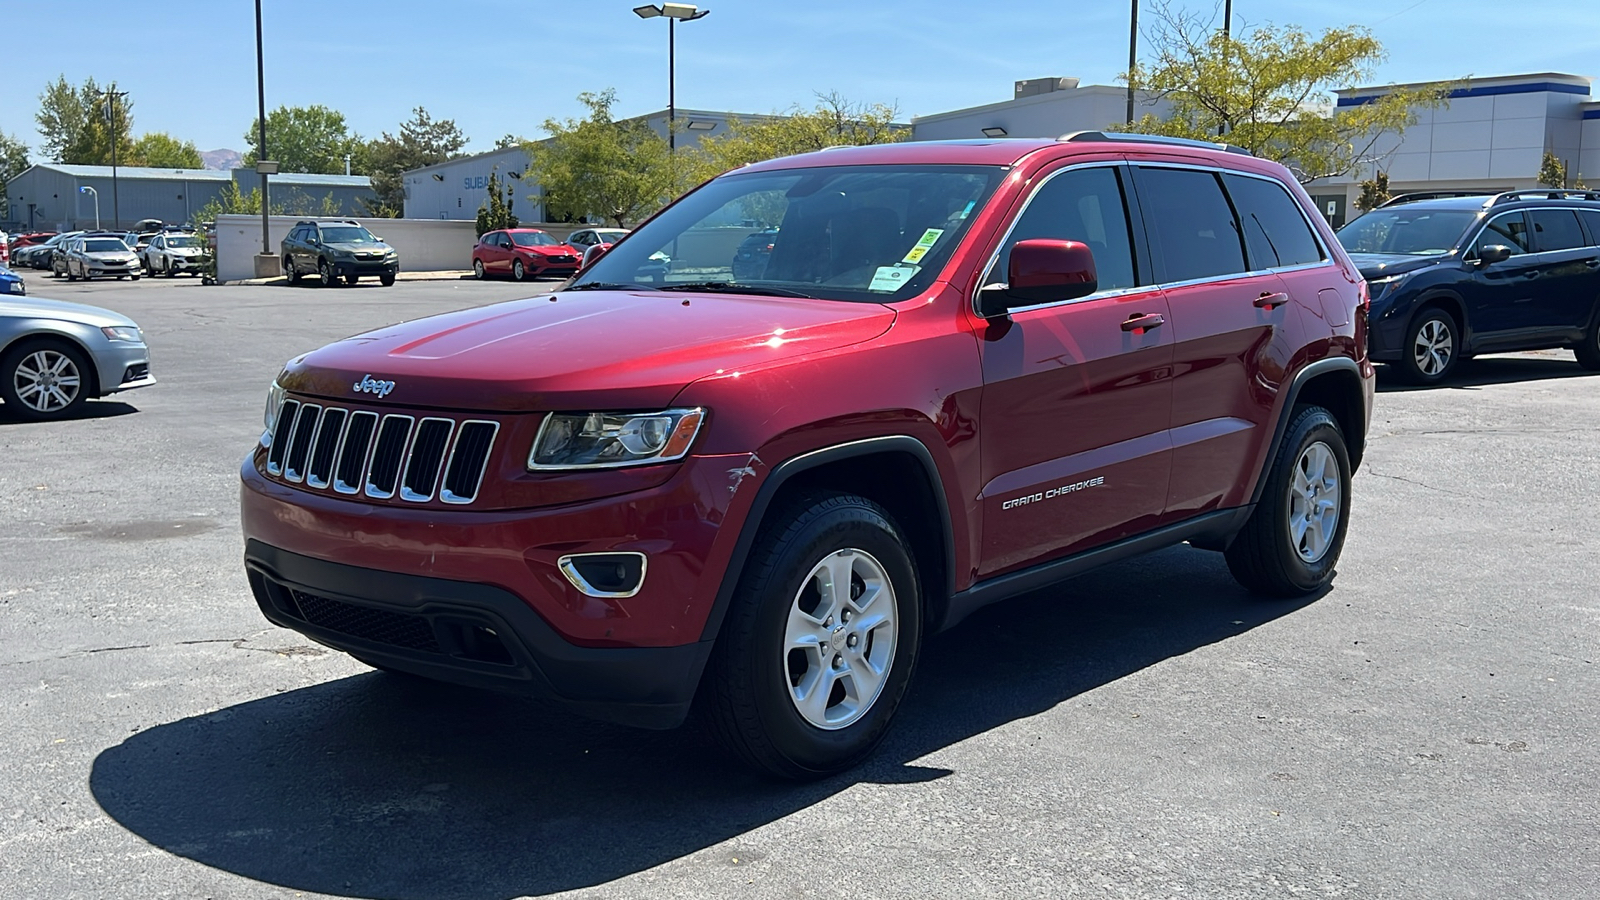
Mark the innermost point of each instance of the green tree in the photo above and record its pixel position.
(1374, 192)
(232, 200)
(1552, 171)
(13, 161)
(309, 139)
(78, 126)
(509, 140)
(160, 150)
(833, 122)
(422, 142)
(600, 167)
(496, 211)
(1268, 90)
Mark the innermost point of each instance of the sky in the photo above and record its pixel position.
(499, 67)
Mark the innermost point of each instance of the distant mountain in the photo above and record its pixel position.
(222, 159)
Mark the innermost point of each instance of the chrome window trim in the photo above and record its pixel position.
(1326, 261)
(444, 457)
(312, 453)
(444, 494)
(405, 452)
(1466, 246)
(294, 476)
(344, 487)
(582, 584)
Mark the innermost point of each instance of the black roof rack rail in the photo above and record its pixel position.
(1133, 138)
(1543, 194)
(1414, 196)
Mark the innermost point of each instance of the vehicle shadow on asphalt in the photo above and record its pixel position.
(94, 409)
(1476, 373)
(386, 786)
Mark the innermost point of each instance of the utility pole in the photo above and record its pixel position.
(261, 139)
(1133, 52)
(1227, 35)
(112, 95)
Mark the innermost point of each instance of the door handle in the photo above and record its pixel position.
(1592, 263)
(1143, 322)
(1268, 301)
(1531, 273)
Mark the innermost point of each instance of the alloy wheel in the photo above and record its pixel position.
(1314, 498)
(47, 381)
(1433, 348)
(840, 639)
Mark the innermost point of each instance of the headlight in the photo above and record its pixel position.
(1378, 287)
(274, 401)
(127, 333)
(605, 440)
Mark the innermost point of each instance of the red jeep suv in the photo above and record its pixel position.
(966, 370)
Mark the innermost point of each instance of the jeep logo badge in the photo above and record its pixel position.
(370, 385)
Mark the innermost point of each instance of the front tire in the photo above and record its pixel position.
(518, 271)
(40, 382)
(386, 279)
(326, 275)
(1432, 348)
(1290, 544)
(821, 641)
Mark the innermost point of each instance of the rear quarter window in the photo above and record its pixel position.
(1276, 233)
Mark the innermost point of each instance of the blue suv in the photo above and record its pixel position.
(1455, 276)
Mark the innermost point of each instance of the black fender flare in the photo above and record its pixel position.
(787, 470)
(1301, 378)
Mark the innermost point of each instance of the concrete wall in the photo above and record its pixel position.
(425, 245)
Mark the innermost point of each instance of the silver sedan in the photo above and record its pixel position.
(55, 356)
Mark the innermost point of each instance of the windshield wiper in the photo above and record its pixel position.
(735, 287)
(611, 286)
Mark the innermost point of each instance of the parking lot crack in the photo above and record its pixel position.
(1422, 484)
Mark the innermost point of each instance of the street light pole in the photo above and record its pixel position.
(261, 137)
(673, 13)
(85, 189)
(111, 95)
(1133, 52)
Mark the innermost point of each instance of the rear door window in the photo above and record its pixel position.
(1195, 232)
(1591, 218)
(1082, 205)
(1276, 234)
(1556, 229)
(1510, 229)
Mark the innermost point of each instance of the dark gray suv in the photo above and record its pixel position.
(337, 251)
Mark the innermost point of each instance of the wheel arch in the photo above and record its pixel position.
(897, 472)
(1334, 384)
(1450, 302)
(45, 336)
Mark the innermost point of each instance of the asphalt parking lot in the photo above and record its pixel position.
(1424, 730)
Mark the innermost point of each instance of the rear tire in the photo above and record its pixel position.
(1292, 540)
(1432, 347)
(290, 272)
(477, 270)
(805, 678)
(1588, 352)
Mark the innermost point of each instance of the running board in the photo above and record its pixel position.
(1212, 530)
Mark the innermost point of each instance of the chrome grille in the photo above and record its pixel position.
(359, 452)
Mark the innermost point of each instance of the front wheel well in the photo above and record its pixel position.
(58, 340)
(899, 482)
(1447, 302)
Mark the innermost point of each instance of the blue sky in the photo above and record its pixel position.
(498, 67)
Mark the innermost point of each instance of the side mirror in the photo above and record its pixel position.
(1494, 253)
(1042, 271)
(593, 253)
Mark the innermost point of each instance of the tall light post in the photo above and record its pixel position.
(674, 13)
(112, 95)
(263, 166)
(1133, 53)
(85, 189)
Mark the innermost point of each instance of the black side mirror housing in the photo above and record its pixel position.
(1494, 253)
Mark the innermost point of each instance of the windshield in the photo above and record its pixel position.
(347, 234)
(104, 245)
(1416, 232)
(182, 242)
(863, 233)
(532, 239)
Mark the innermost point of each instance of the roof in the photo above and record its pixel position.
(1058, 96)
(1538, 82)
(1475, 202)
(216, 175)
(997, 151)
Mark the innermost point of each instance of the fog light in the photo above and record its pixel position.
(607, 575)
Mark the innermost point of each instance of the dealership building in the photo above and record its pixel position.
(1492, 136)
(64, 197)
(457, 188)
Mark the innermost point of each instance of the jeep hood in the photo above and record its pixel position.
(580, 350)
(1384, 265)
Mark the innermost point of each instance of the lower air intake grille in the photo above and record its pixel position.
(377, 625)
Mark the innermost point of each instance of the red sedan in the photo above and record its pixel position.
(522, 253)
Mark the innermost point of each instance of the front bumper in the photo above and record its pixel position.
(346, 267)
(122, 366)
(472, 634)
